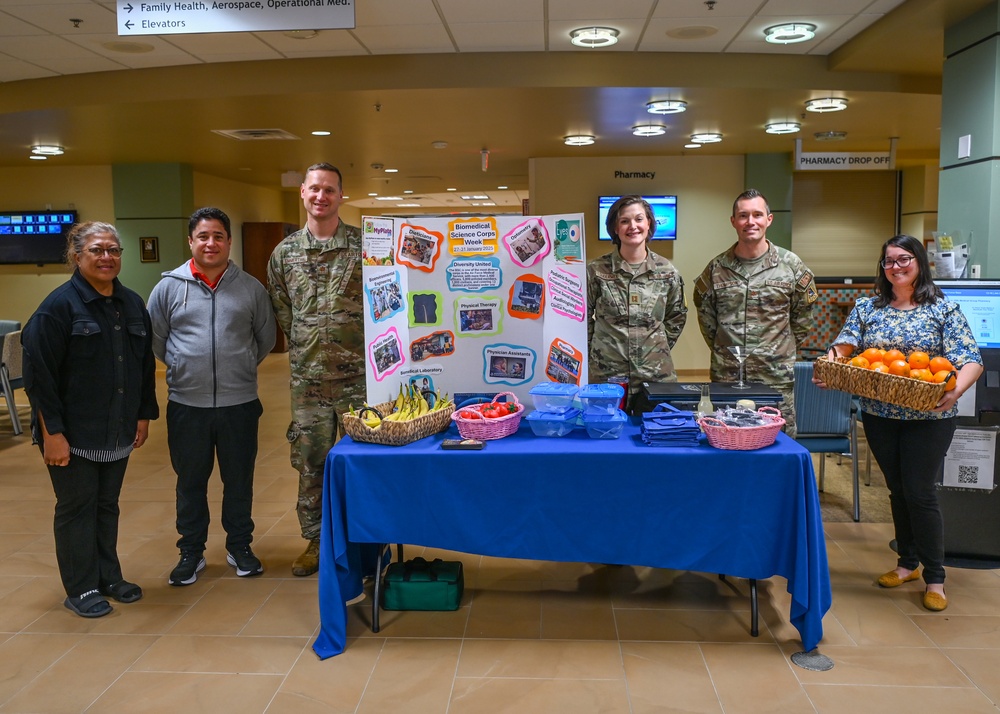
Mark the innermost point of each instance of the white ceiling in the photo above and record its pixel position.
(479, 74)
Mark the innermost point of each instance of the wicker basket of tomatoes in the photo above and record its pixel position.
(493, 420)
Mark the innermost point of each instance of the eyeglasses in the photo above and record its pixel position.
(902, 261)
(114, 251)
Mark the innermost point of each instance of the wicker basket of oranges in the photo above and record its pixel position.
(916, 381)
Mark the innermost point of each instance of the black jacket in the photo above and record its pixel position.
(88, 365)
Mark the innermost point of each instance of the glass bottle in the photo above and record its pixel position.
(705, 407)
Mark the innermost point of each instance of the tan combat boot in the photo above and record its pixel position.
(308, 562)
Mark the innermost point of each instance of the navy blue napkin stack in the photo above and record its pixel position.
(669, 426)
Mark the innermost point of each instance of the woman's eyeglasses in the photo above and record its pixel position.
(114, 251)
(902, 261)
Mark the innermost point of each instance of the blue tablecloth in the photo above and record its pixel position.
(750, 514)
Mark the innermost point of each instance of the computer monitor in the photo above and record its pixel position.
(980, 303)
(664, 211)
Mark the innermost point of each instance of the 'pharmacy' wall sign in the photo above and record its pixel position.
(175, 17)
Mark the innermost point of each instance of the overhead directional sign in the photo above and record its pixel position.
(175, 18)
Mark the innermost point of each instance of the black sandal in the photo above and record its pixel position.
(90, 604)
(123, 591)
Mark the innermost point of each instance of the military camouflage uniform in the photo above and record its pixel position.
(634, 317)
(315, 288)
(765, 305)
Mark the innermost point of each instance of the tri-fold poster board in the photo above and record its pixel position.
(474, 305)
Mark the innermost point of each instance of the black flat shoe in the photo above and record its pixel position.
(90, 604)
(123, 591)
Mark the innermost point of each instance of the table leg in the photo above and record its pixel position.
(378, 585)
(754, 630)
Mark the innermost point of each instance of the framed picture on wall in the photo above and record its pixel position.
(149, 249)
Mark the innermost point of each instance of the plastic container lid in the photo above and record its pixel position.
(602, 391)
(604, 418)
(554, 389)
(567, 416)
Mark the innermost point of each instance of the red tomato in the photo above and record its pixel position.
(470, 414)
(491, 411)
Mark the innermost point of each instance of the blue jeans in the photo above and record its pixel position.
(196, 436)
(911, 454)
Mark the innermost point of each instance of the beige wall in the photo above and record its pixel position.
(85, 188)
(88, 189)
(705, 187)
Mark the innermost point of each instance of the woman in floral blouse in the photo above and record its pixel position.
(909, 313)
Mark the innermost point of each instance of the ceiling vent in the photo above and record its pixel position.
(256, 134)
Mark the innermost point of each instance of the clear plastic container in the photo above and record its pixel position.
(601, 425)
(550, 424)
(553, 397)
(601, 398)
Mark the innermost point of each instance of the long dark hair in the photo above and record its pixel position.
(924, 289)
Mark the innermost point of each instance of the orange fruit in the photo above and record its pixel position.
(859, 361)
(872, 355)
(892, 355)
(918, 359)
(899, 367)
(939, 363)
(945, 376)
(924, 375)
(880, 367)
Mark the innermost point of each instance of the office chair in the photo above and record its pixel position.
(10, 375)
(826, 423)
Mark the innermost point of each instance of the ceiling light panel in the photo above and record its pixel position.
(578, 140)
(826, 104)
(783, 127)
(594, 37)
(790, 33)
(666, 106)
(649, 130)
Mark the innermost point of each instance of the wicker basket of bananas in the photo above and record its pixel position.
(410, 417)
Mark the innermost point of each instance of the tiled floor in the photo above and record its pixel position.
(530, 636)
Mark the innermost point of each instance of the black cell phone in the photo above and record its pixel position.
(463, 444)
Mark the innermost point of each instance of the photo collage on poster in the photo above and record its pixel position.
(474, 305)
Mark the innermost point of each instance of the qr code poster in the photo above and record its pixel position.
(971, 459)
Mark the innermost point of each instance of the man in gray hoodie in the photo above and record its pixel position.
(212, 326)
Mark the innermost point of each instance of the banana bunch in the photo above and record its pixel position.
(410, 404)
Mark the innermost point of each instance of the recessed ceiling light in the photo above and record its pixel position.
(373, 194)
(578, 140)
(476, 197)
(392, 171)
(502, 188)
(830, 135)
(47, 150)
(439, 144)
(692, 146)
(407, 205)
(321, 133)
(707, 138)
(408, 191)
(389, 198)
(649, 130)
(666, 106)
(39, 158)
(300, 34)
(594, 36)
(790, 33)
(451, 189)
(827, 104)
(783, 127)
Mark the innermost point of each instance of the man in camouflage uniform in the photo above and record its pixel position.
(314, 278)
(635, 304)
(758, 296)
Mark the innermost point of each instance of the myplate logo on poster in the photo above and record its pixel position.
(474, 305)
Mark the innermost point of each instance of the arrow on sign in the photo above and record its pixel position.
(128, 7)
(128, 25)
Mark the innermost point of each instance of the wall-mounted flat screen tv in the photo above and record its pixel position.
(980, 303)
(34, 237)
(664, 210)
